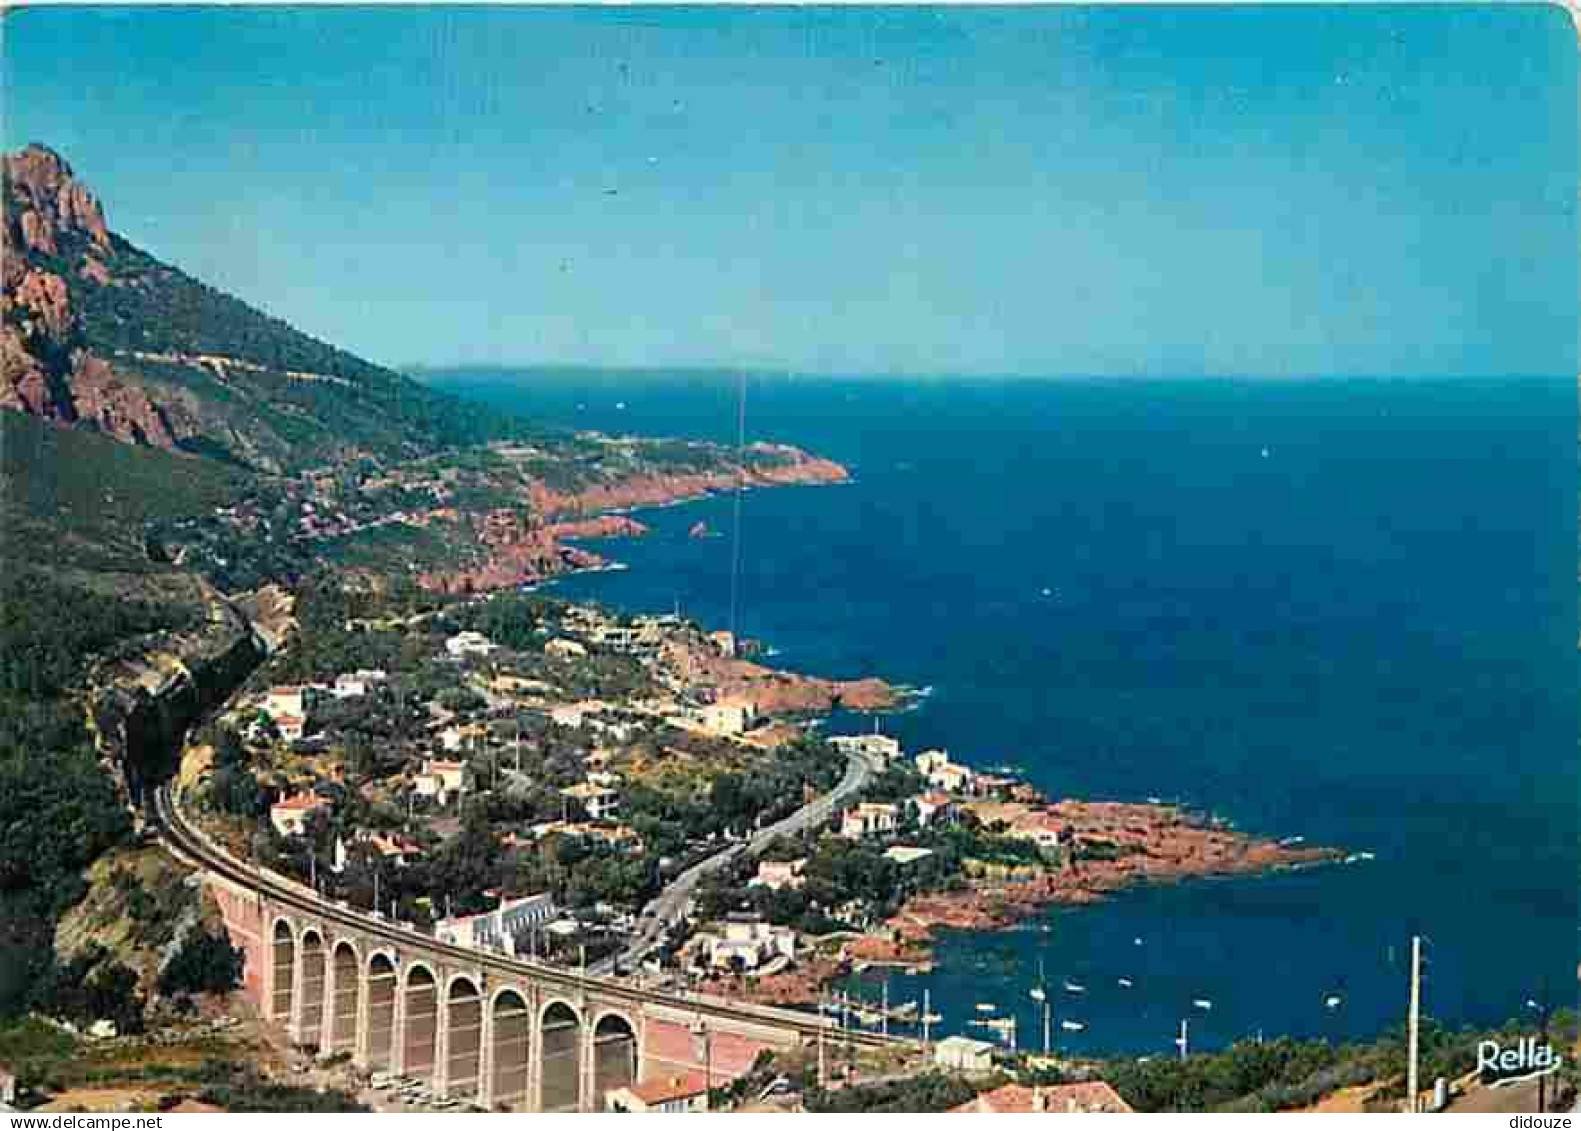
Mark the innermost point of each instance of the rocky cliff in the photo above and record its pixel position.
(97, 333)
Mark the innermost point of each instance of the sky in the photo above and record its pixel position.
(1279, 191)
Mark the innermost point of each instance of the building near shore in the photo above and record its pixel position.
(962, 1054)
(508, 927)
(1091, 1097)
(943, 774)
(674, 1094)
(1042, 828)
(880, 746)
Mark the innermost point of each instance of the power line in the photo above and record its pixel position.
(741, 486)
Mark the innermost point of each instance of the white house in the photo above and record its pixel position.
(289, 815)
(951, 777)
(505, 928)
(962, 1054)
(870, 818)
(292, 700)
(464, 644)
(354, 685)
(880, 746)
(598, 800)
(748, 944)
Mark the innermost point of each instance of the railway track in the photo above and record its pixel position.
(195, 848)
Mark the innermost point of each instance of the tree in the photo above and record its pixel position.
(206, 963)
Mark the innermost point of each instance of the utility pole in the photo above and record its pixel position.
(1542, 1081)
(1413, 1024)
(823, 1017)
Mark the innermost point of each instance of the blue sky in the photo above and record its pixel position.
(1252, 190)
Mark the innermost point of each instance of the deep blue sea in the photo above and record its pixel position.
(1366, 636)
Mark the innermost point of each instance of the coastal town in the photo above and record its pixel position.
(642, 796)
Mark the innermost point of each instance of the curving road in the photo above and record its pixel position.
(665, 909)
(197, 849)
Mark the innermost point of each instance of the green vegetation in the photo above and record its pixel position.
(1286, 1073)
(57, 813)
(930, 1091)
(70, 498)
(206, 963)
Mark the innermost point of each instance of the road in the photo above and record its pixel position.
(665, 909)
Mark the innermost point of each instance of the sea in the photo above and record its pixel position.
(1344, 610)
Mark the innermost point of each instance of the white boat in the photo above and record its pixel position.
(986, 1007)
(1074, 987)
(1125, 982)
(1137, 941)
(1072, 1026)
(1202, 1003)
(1333, 1001)
(1037, 994)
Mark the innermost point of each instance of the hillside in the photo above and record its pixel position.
(100, 334)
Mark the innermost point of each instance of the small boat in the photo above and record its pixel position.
(1333, 1001)
(1001, 1024)
(933, 1018)
(1037, 994)
(1074, 987)
(1137, 941)
(1072, 1026)
(904, 1011)
(1265, 453)
(1292, 841)
(986, 1007)
(1202, 1003)
(1125, 983)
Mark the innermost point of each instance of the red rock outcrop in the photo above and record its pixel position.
(48, 201)
(793, 466)
(769, 690)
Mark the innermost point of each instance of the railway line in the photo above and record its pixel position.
(194, 847)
